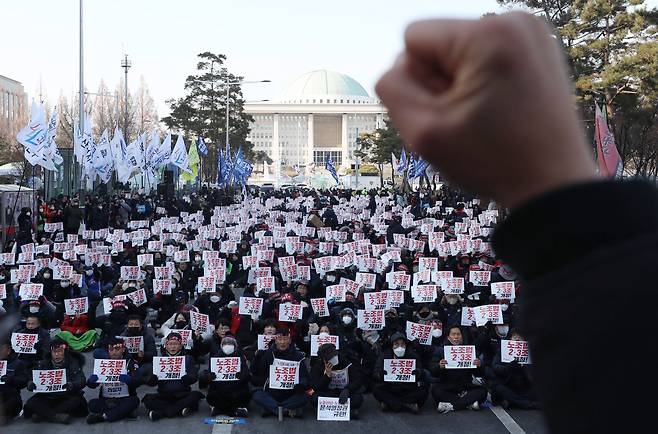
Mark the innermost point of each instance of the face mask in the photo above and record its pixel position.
(181, 324)
(45, 276)
(331, 278)
(228, 349)
(323, 334)
(399, 351)
(89, 272)
(197, 258)
(173, 286)
(64, 284)
(436, 333)
(132, 285)
(502, 331)
(124, 286)
(34, 309)
(334, 360)
(423, 314)
(82, 257)
(347, 320)
(504, 307)
(133, 330)
(452, 301)
(214, 298)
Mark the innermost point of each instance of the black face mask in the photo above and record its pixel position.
(180, 324)
(134, 331)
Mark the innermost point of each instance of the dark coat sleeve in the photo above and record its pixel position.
(583, 252)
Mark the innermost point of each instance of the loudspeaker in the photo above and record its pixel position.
(168, 177)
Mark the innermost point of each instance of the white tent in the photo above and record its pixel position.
(11, 169)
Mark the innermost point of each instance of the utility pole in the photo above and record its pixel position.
(81, 96)
(125, 64)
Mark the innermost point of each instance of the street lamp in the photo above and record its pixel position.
(228, 85)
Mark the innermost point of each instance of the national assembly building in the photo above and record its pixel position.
(319, 115)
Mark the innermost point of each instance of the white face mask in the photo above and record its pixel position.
(502, 331)
(34, 309)
(173, 286)
(214, 298)
(45, 276)
(334, 360)
(436, 333)
(89, 272)
(399, 351)
(124, 286)
(228, 349)
(504, 307)
(347, 320)
(64, 284)
(452, 301)
(323, 334)
(331, 278)
(197, 258)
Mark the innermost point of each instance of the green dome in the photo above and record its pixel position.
(326, 86)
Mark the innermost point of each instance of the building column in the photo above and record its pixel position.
(345, 142)
(379, 123)
(310, 143)
(276, 149)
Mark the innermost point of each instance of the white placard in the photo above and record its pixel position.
(169, 368)
(3, 370)
(420, 332)
(134, 344)
(30, 291)
(317, 341)
(49, 380)
(503, 290)
(251, 306)
(23, 343)
(370, 319)
(320, 307)
(460, 356)
(399, 370)
(289, 312)
(284, 374)
(453, 285)
(199, 322)
(264, 341)
(331, 409)
(226, 368)
(76, 306)
(514, 351)
(109, 370)
(488, 312)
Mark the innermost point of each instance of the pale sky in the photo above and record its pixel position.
(263, 39)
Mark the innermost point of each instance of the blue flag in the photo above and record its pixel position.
(330, 167)
(411, 166)
(421, 167)
(402, 164)
(201, 146)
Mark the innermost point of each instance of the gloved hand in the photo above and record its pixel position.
(93, 379)
(241, 375)
(152, 381)
(125, 378)
(299, 388)
(187, 379)
(68, 387)
(31, 386)
(212, 376)
(313, 329)
(344, 395)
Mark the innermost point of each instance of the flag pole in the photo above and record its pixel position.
(81, 113)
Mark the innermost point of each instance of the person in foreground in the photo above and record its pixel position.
(489, 104)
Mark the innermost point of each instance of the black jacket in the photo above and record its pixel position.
(573, 275)
(16, 377)
(73, 363)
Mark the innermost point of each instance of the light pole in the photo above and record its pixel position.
(125, 64)
(228, 85)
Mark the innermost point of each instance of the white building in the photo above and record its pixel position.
(319, 115)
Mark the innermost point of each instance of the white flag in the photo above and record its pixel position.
(162, 154)
(120, 156)
(34, 136)
(179, 155)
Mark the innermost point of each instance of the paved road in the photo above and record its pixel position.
(372, 421)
